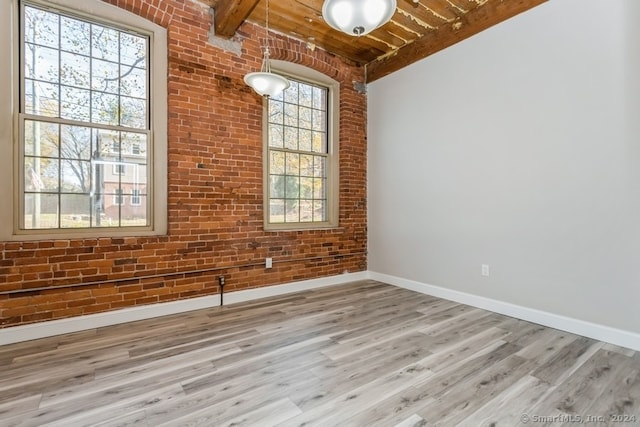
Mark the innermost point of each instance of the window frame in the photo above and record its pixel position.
(309, 75)
(11, 147)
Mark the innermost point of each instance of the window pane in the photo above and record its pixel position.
(292, 187)
(276, 165)
(135, 214)
(105, 143)
(75, 35)
(75, 104)
(319, 98)
(291, 138)
(41, 27)
(105, 42)
(133, 50)
(276, 211)
(306, 95)
(276, 136)
(134, 82)
(306, 210)
(305, 118)
(306, 188)
(319, 142)
(41, 63)
(319, 169)
(40, 211)
(138, 174)
(134, 143)
(292, 211)
(41, 98)
(276, 112)
(291, 115)
(105, 76)
(319, 188)
(276, 187)
(40, 139)
(304, 140)
(133, 112)
(319, 210)
(291, 94)
(319, 121)
(98, 216)
(292, 164)
(306, 165)
(75, 70)
(104, 109)
(75, 210)
(41, 174)
(76, 176)
(76, 142)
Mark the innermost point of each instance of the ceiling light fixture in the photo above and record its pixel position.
(264, 82)
(357, 17)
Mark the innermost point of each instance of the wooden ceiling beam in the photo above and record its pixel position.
(230, 14)
(478, 19)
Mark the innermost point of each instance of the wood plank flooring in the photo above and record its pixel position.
(362, 354)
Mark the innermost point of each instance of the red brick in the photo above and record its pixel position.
(215, 212)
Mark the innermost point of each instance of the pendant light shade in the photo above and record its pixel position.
(357, 17)
(264, 82)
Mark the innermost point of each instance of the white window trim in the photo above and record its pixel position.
(9, 108)
(304, 73)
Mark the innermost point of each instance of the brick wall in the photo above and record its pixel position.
(215, 191)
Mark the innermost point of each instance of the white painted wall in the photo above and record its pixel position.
(518, 148)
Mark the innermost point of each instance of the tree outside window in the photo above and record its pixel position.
(298, 153)
(85, 126)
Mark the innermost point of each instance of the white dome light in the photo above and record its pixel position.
(266, 83)
(357, 17)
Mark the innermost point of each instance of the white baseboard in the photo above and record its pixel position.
(50, 328)
(81, 323)
(607, 334)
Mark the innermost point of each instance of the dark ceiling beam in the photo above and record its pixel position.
(480, 18)
(230, 14)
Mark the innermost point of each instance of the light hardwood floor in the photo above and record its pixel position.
(363, 354)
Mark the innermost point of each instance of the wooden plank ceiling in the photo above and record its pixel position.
(418, 28)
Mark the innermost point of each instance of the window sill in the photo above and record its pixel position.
(276, 228)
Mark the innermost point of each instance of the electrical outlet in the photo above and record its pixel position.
(268, 263)
(485, 270)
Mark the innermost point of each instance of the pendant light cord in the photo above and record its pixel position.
(266, 65)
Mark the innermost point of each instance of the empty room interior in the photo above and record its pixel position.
(319, 213)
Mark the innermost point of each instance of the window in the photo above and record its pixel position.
(301, 154)
(82, 87)
(118, 198)
(135, 197)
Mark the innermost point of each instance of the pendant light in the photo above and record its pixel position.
(357, 17)
(264, 82)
